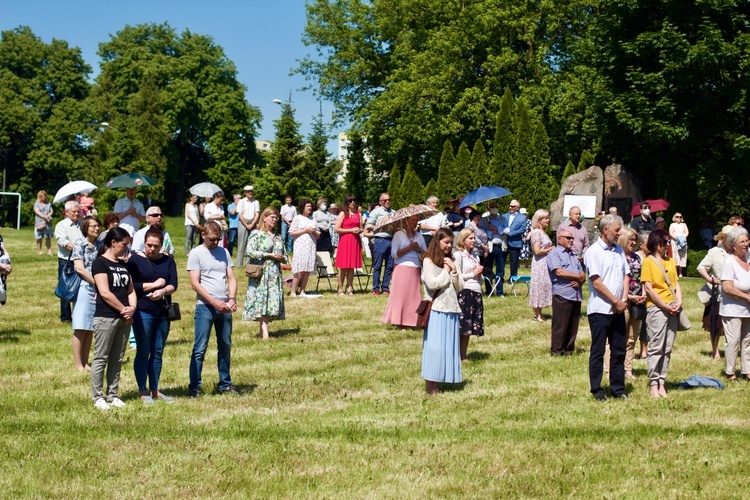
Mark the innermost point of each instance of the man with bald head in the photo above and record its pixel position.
(567, 277)
(514, 227)
(579, 232)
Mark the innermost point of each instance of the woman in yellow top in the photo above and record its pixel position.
(663, 302)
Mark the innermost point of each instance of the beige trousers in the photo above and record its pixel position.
(736, 334)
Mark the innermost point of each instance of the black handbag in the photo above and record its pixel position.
(638, 311)
(173, 311)
(69, 281)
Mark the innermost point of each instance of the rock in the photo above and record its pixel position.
(590, 182)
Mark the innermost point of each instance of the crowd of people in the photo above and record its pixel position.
(128, 276)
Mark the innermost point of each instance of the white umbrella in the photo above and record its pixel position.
(74, 187)
(205, 189)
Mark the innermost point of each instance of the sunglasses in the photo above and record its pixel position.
(214, 240)
(567, 237)
(155, 215)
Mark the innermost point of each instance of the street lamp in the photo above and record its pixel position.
(275, 101)
(106, 124)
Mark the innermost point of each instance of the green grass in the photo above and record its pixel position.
(334, 407)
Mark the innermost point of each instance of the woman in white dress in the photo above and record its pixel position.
(678, 233)
(305, 232)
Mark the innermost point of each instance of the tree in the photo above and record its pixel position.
(429, 189)
(463, 175)
(504, 147)
(319, 175)
(357, 171)
(176, 102)
(570, 169)
(587, 160)
(445, 171)
(412, 189)
(479, 175)
(394, 187)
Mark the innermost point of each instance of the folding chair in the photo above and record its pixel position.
(494, 283)
(360, 273)
(325, 269)
(526, 280)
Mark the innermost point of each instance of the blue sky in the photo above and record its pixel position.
(262, 38)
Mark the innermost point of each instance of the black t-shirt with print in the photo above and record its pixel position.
(118, 278)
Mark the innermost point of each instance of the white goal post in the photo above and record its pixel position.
(18, 221)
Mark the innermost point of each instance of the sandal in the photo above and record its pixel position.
(350, 291)
(341, 292)
(731, 377)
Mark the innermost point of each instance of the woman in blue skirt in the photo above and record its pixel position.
(441, 360)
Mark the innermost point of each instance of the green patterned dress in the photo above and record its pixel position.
(265, 296)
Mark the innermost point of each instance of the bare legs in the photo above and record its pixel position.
(464, 346)
(349, 275)
(81, 348)
(39, 246)
(657, 391)
(715, 347)
(264, 327)
(431, 387)
(538, 314)
(300, 282)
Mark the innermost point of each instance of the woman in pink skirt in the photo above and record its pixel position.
(349, 253)
(406, 248)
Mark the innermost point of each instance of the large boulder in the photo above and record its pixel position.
(621, 190)
(590, 182)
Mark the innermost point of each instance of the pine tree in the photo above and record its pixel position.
(462, 178)
(445, 170)
(318, 175)
(429, 190)
(394, 188)
(587, 160)
(504, 152)
(570, 169)
(412, 189)
(526, 174)
(549, 188)
(357, 170)
(479, 175)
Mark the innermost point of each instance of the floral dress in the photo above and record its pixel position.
(540, 291)
(265, 296)
(526, 248)
(304, 246)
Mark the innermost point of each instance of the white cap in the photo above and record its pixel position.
(248, 188)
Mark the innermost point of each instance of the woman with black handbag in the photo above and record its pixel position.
(630, 241)
(154, 279)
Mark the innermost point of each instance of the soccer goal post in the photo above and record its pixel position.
(6, 211)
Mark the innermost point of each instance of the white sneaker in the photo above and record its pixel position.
(101, 404)
(147, 400)
(117, 403)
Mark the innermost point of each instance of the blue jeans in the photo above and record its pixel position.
(232, 236)
(66, 310)
(381, 253)
(151, 331)
(515, 254)
(285, 238)
(205, 317)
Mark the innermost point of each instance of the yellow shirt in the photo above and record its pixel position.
(650, 272)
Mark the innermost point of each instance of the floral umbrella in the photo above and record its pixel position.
(395, 221)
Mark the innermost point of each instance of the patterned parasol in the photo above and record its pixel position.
(395, 221)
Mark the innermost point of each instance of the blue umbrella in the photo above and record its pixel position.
(482, 194)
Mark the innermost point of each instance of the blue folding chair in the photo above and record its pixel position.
(519, 280)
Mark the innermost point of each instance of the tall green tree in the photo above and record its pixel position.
(357, 169)
(463, 175)
(412, 189)
(505, 145)
(587, 160)
(570, 169)
(445, 171)
(479, 166)
(319, 173)
(394, 188)
(429, 189)
(177, 102)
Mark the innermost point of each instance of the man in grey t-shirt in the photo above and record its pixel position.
(212, 278)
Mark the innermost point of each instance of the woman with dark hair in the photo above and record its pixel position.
(115, 308)
(481, 240)
(305, 233)
(154, 280)
(663, 302)
(322, 220)
(264, 300)
(84, 253)
(109, 221)
(441, 359)
(349, 253)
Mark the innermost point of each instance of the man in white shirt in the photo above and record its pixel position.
(428, 226)
(66, 233)
(153, 219)
(288, 211)
(248, 209)
(607, 271)
(130, 211)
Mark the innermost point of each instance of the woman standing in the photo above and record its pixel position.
(406, 248)
(83, 255)
(333, 214)
(441, 359)
(636, 311)
(305, 233)
(526, 247)
(349, 253)
(192, 222)
(323, 223)
(540, 291)
(678, 233)
(115, 307)
(154, 279)
(481, 240)
(663, 302)
(471, 319)
(42, 222)
(710, 270)
(735, 303)
(264, 300)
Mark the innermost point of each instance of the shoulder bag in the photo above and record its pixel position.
(423, 311)
(683, 322)
(255, 271)
(172, 308)
(69, 281)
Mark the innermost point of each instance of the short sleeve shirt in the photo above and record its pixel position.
(610, 265)
(373, 220)
(85, 252)
(123, 204)
(212, 265)
(561, 258)
(650, 272)
(732, 307)
(118, 278)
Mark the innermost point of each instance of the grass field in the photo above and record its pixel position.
(334, 407)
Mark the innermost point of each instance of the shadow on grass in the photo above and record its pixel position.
(284, 332)
(184, 391)
(12, 335)
(453, 387)
(478, 356)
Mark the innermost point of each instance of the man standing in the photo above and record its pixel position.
(515, 226)
(644, 222)
(494, 226)
(249, 211)
(288, 211)
(608, 272)
(428, 226)
(130, 211)
(212, 278)
(567, 278)
(579, 232)
(154, 217)
(66, 233)
(381, 247)
(234, 221)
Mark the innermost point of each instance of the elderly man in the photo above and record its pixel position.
(66, 233)
(515, 226)
(579, 232)
(248, 210)
(154, 218)
(130, 211)
(381, 253)
(428, 226)
(608, 272)
(643, 222)
(212, 278)
(567, 277)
